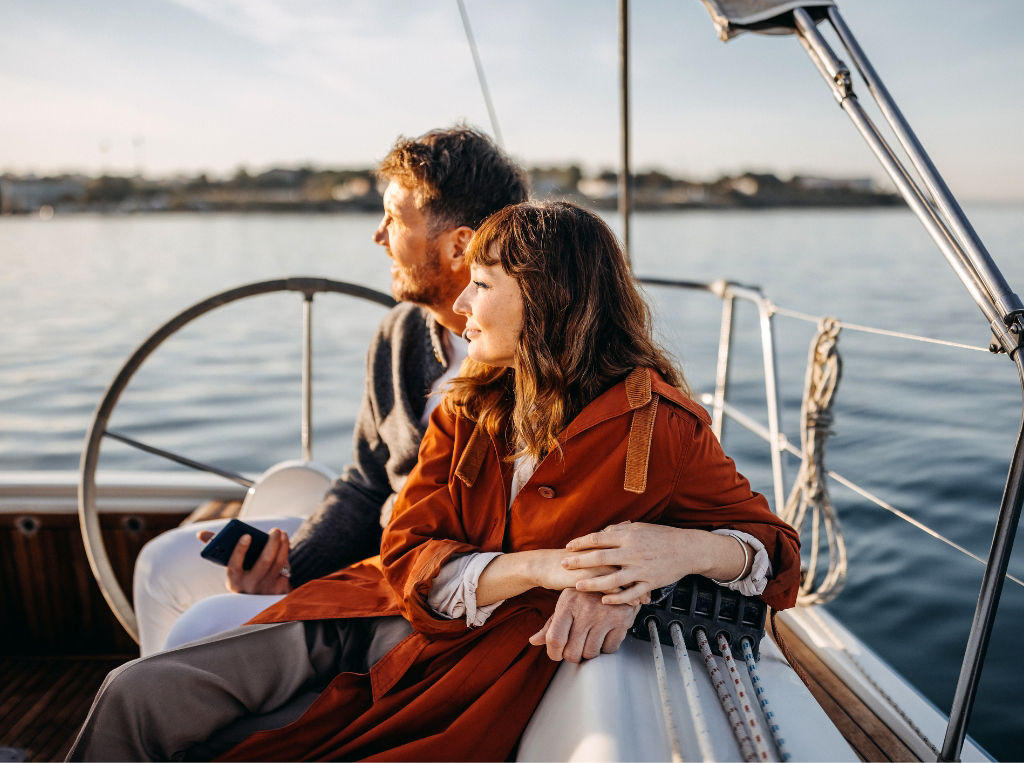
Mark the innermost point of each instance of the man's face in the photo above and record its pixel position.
(416, 271)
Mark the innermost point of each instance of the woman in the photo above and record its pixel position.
(567, 419)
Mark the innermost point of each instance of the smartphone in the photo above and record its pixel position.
(223, 543)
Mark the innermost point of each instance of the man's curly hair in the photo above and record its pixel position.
(459, 175)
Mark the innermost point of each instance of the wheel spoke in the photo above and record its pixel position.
(243, 481)
(307, 378)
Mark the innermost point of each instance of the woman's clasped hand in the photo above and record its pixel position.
(628, 560)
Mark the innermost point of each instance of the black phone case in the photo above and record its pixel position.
(223, 543)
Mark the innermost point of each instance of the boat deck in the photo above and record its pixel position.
(868, 735)
(44, 697)
(43, 701)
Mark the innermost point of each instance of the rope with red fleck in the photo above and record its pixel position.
(739, 728)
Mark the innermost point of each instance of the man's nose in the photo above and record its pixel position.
(380, 236)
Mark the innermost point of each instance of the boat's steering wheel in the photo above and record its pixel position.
(99, 561)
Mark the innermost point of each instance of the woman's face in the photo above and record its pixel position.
(493, 306)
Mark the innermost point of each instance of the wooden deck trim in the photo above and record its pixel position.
(869, 736)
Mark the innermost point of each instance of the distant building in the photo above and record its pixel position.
(353, 188)
(598, 188)
(28, 194)
(748, 185)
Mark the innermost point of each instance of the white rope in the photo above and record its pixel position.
(763, 703)
(758, 739)
(739, 728)
(809, 499)
(666, 703)
(700, 727)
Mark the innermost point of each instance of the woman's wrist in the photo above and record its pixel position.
(508, 575)
(730, 560)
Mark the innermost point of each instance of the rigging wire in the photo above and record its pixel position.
(480, 74)
(870, 330)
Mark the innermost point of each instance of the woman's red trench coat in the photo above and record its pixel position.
(641, 451)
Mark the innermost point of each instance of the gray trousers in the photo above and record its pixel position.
(200, 700)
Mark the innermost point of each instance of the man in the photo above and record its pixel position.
(440, 187)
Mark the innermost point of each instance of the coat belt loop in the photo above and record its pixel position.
(638, 450)
(472, 456)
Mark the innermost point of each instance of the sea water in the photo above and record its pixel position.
(928, 428)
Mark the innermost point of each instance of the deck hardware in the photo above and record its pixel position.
(133, 524)
(28, 526)
(696, 603)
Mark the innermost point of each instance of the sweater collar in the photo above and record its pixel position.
(436, 333)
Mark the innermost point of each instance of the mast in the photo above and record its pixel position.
(625, 200)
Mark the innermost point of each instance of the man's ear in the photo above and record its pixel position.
(458, 241)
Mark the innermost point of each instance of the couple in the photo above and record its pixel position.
(565, 419)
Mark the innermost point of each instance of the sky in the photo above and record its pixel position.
(169, 86)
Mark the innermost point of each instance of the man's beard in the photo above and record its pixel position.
(424, 284)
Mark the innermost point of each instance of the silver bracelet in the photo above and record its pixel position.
(743, 570)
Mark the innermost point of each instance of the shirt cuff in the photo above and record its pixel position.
(753, 584)
(453, 593)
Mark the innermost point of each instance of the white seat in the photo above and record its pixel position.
(290, 488)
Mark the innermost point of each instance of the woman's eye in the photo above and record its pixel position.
(480, 285)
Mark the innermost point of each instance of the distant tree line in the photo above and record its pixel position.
(308, 188)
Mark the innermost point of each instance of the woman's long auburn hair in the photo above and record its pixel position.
(585, 324)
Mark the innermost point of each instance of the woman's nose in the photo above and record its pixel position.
(461, 306)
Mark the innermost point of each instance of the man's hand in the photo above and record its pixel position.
(267, 575)
(582, 627)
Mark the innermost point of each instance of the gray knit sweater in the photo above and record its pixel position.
(405, 359)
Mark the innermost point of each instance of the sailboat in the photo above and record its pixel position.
(813, 691)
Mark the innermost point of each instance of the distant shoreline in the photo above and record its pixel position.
(341, 191)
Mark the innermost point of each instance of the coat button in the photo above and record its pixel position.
(546, 492)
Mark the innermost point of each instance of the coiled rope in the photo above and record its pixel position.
(809, 500)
